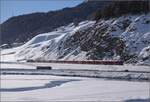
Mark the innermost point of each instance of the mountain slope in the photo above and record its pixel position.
(24, 27)
(102, 40)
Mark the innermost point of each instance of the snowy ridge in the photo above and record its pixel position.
(67, 42)
(46, 45)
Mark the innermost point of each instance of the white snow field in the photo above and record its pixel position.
(126, 72)
(39, 88)
(28, 65)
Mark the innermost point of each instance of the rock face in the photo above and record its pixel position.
(24, 27)
(122, 38)
(125, 37)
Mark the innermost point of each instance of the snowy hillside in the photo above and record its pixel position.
(116, 38)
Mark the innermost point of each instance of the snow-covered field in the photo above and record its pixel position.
(53, 88)
(57, 88)
(24, 65)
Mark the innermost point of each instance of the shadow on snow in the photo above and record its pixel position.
(138, 100)
(51, 84)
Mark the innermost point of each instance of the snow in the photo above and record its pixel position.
(94, 67)
(145, 52)
(11, 65)
(54, 88)
(50, 46)
(137, 34)
(144, 56)
(46, 44)
(8, 57)
(22, 65)
(126, 72)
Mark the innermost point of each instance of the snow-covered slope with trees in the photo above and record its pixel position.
(126, 38)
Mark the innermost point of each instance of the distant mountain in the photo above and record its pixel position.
(24, 27)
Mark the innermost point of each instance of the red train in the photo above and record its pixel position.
(112, 62)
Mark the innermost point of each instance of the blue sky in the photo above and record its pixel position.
(11, 8)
